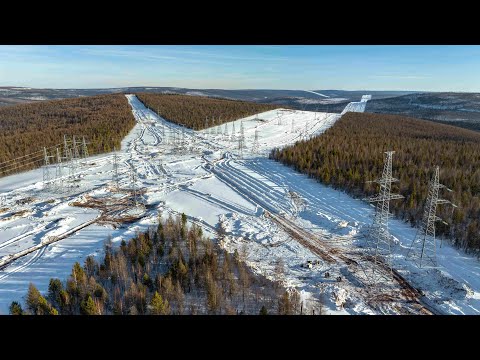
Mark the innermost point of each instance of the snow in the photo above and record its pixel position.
(357, 106)
(196, 93)
(316, 93)
(206, 179)
(322, 101)
(33, 98)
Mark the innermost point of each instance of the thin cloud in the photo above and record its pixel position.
(393, 76)
(201, 55)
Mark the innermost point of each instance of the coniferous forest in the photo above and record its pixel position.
(191, 111)
(104, 120)
(352, 152)
(172, 269)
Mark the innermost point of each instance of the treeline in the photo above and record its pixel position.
(26, 128)
(352, 152)
(192, 110)
(471, 125)
(172, 269)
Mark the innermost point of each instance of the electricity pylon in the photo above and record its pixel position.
(166, 135)
(71, 154)
(47, 176)
(423, 247)
(133, 179)
(225, 132)
(219, 127)
(306, 130)
(84, 148)
(115, 168)
(65, 145)
(76, 154)
(378, 239)
(212, 128)
(71, 163)
(58, 170)
(255, 146)
(241, 141)
(233, 132)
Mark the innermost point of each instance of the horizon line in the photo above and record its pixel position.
(234, 89)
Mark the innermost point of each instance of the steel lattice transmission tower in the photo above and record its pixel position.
(115, 178)
(69, 156)
(66, 146)
(219, 127)
(174, 139)
(47, 176)
(206, 127)
(58, 170)
(225, 131)
(184, 141)
(76, 144)
(167, 133)
(423, 247)
(256, 145)
(84, 148)
(233, 132)
(378, 239)
(241, 141)
(305, 134)
(212, 128)
(133, 182)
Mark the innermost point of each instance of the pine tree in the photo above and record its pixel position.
(210, 278)
(88, 306)
(158, 305)
(15, 308)
(54, 288)
(33, 299)
(263, 311)
(284, 306)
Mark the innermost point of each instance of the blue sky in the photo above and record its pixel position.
(422, 68)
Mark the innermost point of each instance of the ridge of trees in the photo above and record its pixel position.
(104, 120)
(352, 152)
(171, 269)
(191, 111)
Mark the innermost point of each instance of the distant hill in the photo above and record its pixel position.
(14, 95)
(332, 100)
(459, 109)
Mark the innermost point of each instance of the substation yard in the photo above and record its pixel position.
(266, 211)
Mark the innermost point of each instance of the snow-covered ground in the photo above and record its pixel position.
(316, 93)
(356, 106)
(255, 200)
